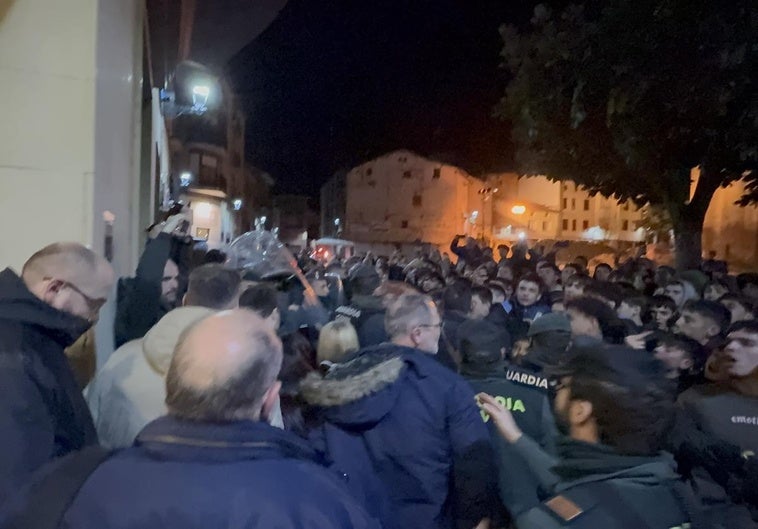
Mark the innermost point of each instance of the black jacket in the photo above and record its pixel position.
(42, 412)
(366, 314)
(138, 299)
(531, 410)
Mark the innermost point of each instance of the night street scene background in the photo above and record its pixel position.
(339, 264)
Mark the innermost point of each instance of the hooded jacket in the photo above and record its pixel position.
(592, 486)
(191, 475)
(42, 412)
(130, 389)
(395, 414)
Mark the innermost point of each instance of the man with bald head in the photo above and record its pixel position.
(42, 412)
(213, 461)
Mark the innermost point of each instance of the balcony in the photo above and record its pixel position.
(210, 178)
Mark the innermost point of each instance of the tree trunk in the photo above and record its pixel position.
(688, 222)
(688, 246)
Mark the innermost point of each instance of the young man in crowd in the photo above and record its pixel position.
(481, 303)
(574, 286)
(663, 311)
(614, 408)
(551, 279)
(682, 356)
(527, 305)
(705, 322)
(727, 411)
(631, 310)
(739, 307)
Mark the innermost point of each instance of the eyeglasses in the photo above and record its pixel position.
(93, 304)
(431, 325)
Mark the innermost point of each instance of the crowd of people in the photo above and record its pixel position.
(469, 389)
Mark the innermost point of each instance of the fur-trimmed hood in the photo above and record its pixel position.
(361, 390)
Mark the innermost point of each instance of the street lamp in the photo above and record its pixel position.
(185, 178)
(200, 93)
(237, 204)
(518, 209)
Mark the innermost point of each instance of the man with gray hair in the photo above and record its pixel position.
(130, 389)
(213, 461)
(42, 413)
(393, 413)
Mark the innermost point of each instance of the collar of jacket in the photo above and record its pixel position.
(493, 370)
(582, 462)
(367, 302)
(366, 373)
(170, 438)
(18, 304)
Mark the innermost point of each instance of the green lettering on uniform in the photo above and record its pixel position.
(506, 402)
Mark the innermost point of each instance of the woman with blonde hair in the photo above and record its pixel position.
(336, 340)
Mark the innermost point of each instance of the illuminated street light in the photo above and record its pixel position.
(200, 95)
(521, 235)
(518, 210)
(337, 222)
(185, 178)
(237, 204)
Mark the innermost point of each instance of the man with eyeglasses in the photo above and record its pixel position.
(393, 415)
(42, 412)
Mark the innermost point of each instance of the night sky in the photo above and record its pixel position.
(332, 83)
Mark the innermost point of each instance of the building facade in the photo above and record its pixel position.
(403, 197)
(732, 231)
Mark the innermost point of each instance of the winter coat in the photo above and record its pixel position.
(42, 412)
(394, 413)
(593, 487)
(191, 475)
(130, 389)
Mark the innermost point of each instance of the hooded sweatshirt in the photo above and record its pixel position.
(130, 389)
(42, 412)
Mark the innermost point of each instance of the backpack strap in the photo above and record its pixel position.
(57, 490)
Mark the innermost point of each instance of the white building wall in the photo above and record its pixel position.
(71, 74)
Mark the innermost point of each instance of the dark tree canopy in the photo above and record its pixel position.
(627, 98)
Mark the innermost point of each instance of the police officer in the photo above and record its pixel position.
(614, 404)
(483, 347)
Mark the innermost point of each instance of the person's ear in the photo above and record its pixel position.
(686, 364)
(580, 412)
(712, 330)
(416, 335)
(270, 399)
(51, 289)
